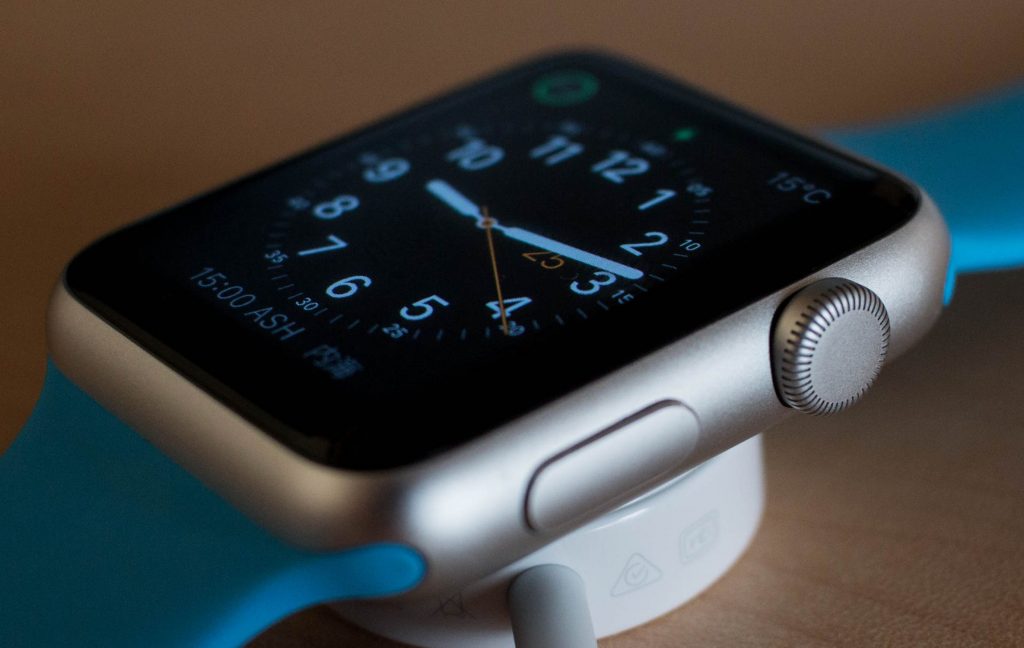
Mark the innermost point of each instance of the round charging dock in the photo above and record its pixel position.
(637, 562)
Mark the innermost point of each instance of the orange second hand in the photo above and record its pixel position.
(494, 267)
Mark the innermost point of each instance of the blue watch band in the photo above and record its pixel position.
(970, 159)
(104, 541)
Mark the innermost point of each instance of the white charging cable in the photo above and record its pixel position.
(548, 608)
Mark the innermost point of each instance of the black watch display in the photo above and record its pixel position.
(405, 289)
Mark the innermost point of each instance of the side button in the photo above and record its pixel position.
(612, 466)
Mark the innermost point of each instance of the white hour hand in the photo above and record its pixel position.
(452, 197)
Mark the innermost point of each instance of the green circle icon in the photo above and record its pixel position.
(565, 88)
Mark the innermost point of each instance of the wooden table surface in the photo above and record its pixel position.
(900, 522)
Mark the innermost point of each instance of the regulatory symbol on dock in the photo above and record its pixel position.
(698, 537)
(637, 574)
(453, 606)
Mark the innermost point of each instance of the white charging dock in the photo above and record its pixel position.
(638, 562)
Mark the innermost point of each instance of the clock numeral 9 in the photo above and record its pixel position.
(386, 170)
(348, 286)
(423, 308)
(593, 285)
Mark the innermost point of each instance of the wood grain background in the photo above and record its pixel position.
(900, 523)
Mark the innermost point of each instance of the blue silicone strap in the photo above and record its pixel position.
(970, 159)
(106, 542)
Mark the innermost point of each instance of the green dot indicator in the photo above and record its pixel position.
(684, 134)
(565, 88)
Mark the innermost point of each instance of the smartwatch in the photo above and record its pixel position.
(409, 357)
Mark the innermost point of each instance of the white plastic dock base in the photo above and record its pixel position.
(638, 562)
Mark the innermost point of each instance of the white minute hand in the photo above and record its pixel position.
(454, 199)
(571, 252)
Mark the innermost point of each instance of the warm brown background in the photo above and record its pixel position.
(901, 522)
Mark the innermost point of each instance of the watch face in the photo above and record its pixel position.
(405, 289)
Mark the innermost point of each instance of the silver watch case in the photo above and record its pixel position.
(464, 510)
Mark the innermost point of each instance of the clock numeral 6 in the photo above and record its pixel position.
(600, 279)
(348, 286)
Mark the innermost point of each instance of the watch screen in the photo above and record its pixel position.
(415, 285)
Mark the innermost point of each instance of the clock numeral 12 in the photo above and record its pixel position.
(620, 164)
